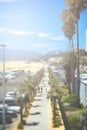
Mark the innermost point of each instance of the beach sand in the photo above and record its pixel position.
(21, 65)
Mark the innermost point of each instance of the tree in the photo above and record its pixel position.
(66, 62)
(76, 7)
(68, 27)
(69, 30)
(53, 92)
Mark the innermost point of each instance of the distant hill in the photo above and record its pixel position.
(26, 55)
(17, 55)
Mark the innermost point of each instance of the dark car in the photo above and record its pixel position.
(12, 113)
(8, 118)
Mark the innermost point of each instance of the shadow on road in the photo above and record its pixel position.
(32, 124)
(36, 113)
(36, 106)
(40, 95)
(38, 99)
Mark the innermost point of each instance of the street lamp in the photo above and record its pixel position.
(4, 87)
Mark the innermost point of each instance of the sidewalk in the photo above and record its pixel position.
(39, 118)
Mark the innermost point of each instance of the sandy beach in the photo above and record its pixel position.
(21, 65)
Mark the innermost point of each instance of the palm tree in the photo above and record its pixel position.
(69, 30)
(20, 102)
(25, 91)
(52, 94)
(67, 67)
(76, 7)
(55, 94)
(69, 27)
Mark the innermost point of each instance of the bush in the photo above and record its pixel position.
(74, 121)
(77, 119)
(57, 122)
(20, 125)
(57, 108)
(57, 113)
(32, 99)
(25, 114)
(24, 122)
(71, 99)
(29, 106)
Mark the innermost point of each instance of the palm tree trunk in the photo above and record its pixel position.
(73, 67)
(72, 45)
(21, 113)
(54, 107)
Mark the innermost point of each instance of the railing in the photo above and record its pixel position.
(66, 123)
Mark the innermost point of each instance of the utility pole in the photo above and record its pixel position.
(4, 87)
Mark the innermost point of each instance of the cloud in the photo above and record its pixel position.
(16, 32)
(58, 38)
(43, 35)
(20, 32)
(40, 35)
(2, 29)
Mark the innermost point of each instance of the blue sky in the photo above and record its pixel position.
(35, 25)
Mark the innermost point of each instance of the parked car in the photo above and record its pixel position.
(11, 101)
(8, 111)
(8, 118)
(12, 105)
(11, 112)
(14, 108)
(11, 94)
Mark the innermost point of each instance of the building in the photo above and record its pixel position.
(83, 92)
(83, 89)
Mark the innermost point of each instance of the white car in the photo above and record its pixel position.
(14, 108)
(11, 94)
